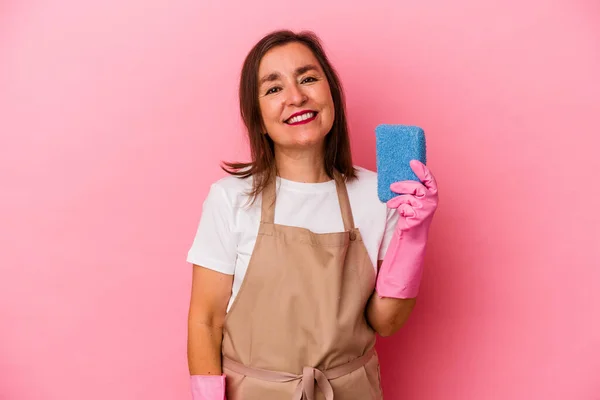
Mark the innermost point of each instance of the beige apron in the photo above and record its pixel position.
(297, 328)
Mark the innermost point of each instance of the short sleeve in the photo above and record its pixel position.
(215, 244)
(390, 227)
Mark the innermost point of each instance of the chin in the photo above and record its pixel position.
(309, 140)
(300, 138)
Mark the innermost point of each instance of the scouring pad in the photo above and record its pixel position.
(396, 146)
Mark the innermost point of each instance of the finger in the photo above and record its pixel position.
(404, 199)
(406, 210)
(409, 187)
(424, 174)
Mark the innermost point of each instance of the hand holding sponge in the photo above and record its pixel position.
(399, 147)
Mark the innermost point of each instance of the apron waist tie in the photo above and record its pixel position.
(306, 386)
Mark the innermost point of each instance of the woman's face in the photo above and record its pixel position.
(294, 97)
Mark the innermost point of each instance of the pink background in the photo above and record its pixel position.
(114, 116)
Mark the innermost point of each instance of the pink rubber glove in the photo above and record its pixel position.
(208, 387)
(402, 267)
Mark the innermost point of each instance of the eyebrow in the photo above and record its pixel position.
(299, 71)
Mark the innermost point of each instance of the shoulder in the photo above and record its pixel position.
(371, 215)
(365, 176)
(366, 181)
(363, 189)
(232, 189)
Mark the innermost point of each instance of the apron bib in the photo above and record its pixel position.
(297, 328)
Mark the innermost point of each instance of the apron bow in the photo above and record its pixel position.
(306, 387)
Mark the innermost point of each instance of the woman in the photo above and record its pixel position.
(287, 292)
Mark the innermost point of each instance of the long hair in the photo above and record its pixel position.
(262, 166)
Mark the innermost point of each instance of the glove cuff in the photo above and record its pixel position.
(208, 387)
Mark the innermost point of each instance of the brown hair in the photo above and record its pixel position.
(337, 142)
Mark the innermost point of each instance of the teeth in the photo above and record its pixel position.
(302, 117)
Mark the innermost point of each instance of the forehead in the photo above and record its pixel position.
(286, 59)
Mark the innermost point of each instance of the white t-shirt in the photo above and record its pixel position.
(228, 226)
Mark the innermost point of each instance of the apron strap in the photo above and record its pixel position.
(344, 200)
(268, 202)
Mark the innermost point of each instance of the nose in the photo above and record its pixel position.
(295, 96)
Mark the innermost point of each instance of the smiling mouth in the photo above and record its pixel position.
(303, 118)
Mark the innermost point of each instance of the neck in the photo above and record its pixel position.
(305, 166)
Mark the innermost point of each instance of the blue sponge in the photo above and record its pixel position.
(396, 145)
